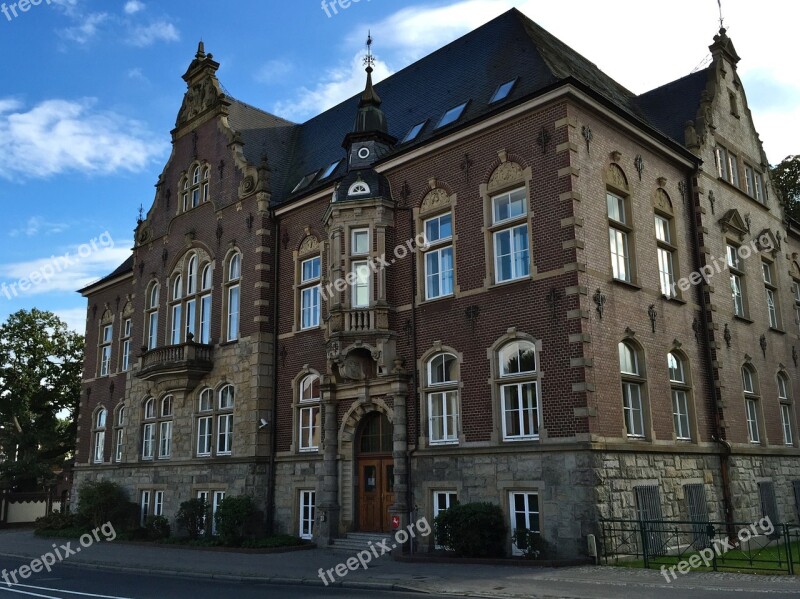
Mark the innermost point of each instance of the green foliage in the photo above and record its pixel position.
(101, 502)
(40, 382)
(157, 528)
(55, 521)
(233, 515)
(786, 178)
(472, 530)
(192, 517)
(531, 543)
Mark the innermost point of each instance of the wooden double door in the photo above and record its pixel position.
(375, 493)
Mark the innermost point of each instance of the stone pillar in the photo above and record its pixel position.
(328, 507)
(399, 450)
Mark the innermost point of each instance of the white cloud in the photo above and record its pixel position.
(37, 225)
(159, 31)
(86, 29)
(273, 71)
(133, 6)
(67, 271)
(75, 318)
(57, 136)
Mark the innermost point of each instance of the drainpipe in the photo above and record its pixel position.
(718, 437)
(274, 428)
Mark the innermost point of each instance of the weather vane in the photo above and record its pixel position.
(719, 3)
(369, 59)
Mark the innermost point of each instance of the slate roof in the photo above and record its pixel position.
(669, 107)
(469, 69)
(123, 269)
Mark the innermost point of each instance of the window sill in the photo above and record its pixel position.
(228, 343)
(520, 439)
(742, 318)
(307, 329)
(430, 300)
(510, 281)
(777, 330)
(623, 283)
(442, 443)
(674, 299)
(309, 450)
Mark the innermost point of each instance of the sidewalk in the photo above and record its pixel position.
(384, 573)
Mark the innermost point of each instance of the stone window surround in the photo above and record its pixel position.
(127, 315)
(428, 488)
(507, 176)
(310, 247)
(776, 296)
(155, 421)
(730, 240)
(151, 308)
(687, 387)
(214, 413)
(297, 489)
(181, 268)
(495, 382)
(107, 319)
(425, 389)
(506, 488)
(742, 159)
(756, 396)
(437, 201)
(616, 183)
(663, 207)
(120, 421)
(97, 431)
(202, 186)
(294, 448)
(642, 380)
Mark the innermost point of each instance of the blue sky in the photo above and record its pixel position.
(90, 90)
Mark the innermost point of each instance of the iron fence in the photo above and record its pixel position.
(738, 546)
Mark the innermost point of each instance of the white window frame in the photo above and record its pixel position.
(310, 300)
(307, 513)
(361, 283)
(158, 503)
(144, 507)
(105, 349)
(442, 500)
(148, 440)
(751, 408)
(528, 514)
(509, 225)
(441, 276)
(233, 296)
(127, 329)
(443, 407)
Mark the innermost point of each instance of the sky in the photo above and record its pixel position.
(90, 89)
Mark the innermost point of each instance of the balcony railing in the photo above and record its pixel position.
(187, 360)
(359, 320)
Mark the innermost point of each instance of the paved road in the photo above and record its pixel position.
(67, 582)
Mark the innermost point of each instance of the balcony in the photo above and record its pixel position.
(183, 364)
(359, 321)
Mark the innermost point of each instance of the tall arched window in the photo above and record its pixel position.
(119, 434)
(225, 421)
(100, 435)
(148, 428)
(195, 189)
(205, 305)
(680, 396)
(233, 292)
(309, 411)
(785, 405)
(215, 419)
(176, 336)
(152, 316)
(442, 395)
(751, 401)
(632, 372)
(519, 391)
(165, 428)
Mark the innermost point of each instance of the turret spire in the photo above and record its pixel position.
(369, 96)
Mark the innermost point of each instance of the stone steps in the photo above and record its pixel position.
(358, 541)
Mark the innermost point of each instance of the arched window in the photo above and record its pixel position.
(152, 316)
(680, 396)
(233, 286)
(359, 188)
(176, 336)
(205, 422)
(205, 305)
(785, 405)
(195, 189)
(215, 420)
(632, 371)
(309, 412)
(442, 399)
(186, 320)
(511, 235)
(165, 428)
(148, 428)
(119, 434)
(665, 242)
(225, 421)
(100, 435)
(519, 391)
(191, 275)
(751, 402)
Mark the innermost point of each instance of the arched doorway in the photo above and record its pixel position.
(375, 465)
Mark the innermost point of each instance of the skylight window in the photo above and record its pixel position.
(329, 171)
(452, 115)
(503, 91)
(305, 181)
(413, 132)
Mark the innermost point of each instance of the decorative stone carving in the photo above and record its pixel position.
(199, 97)
(434, 200)
(616, 177)
(662, 201)
(506, 175)
(310, 245)
(733, 221)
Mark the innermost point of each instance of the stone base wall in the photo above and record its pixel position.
(292, 477)
(747, 471)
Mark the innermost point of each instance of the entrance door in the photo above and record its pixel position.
(375, 474)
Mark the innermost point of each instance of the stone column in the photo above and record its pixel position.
(328, 507)
(399, 450)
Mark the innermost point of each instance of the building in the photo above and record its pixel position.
(497, 275)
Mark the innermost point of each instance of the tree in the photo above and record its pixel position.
(40, 385)
(786, 177)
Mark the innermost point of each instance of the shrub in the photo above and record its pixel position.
(157, 528)
(472, 530)
(531, 543)
(233, 514)
(192, 517)
(55, 521)
(101, 502)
